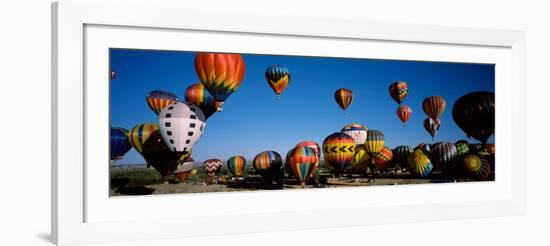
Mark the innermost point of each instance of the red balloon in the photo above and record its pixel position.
(404, 113)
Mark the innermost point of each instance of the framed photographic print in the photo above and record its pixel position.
(164, 125)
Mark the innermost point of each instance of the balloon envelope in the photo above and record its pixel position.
(158, 100)
(419, 163)
(401, 155)
(181, 125)
(361, 159)
(212, 166)
(160, 156)
(474, 113)
(404, 113)
(383, 159)
(197, 95)
(357, 131)
(302, 161)
(434, 106)
(120, 145)
(278, 77)
(236, 164)
(398, 91)
(443, 153)
(140, 133)
(338, 149)
(432, 126)
(374, 142)
(268, 164)
(344, 97)
(221, 74)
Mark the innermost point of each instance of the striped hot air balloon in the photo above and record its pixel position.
(361, 159)
(432, 126)
(120, 145)
(212, 166)
(221, 74)
(383, 159)
(476, 167)
(357, 131)
(462, 147)
(197, 95)
(338, 149)
(443, 153)
(278, 77)
(374, 142)
(424, 147)
(401, 155)
(140, 133)
(398, 91)
(434, 106)
(419, 163)
(288, 168)
(236, 165)
(344, 97)
(313, 145)
(158, 100)
(268, 164)
(302, 161)
(404, 113)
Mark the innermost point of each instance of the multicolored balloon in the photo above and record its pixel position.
(313, 145)
(221, 74)
(374, 142)
(357, 131)
(361, 159)
(184, 169)
(288, 168)
(344, 97)
(212, 166)
(140, 133)
(160, 156)
(236, 164)
(434, 106)
(424, 147)
(432, 126)
(476, 167)
(462, 147)
(419, 163)
(268, 164)
(120, 145)
(474, 113)
(404, 113)
(443, 153)
(338, 149)
(398, 91)
(401, 155)
(278, 77)
(383, 159)
(302, 161)
(181, 125)
(158, 100)
(196, 94)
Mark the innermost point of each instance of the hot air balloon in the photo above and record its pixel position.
(361, 159)
(302, 161)
(401, 155)
(236, 164)
(490, 147)
(374, 142)
(343, 97)
(474, 148)
(357, 132)
(278, 77)
(419, 163)
(443, 153)
(120, 144)
(269, 165)
(158, 100)
(196, 94)
(338, 149)
(434, 106)
(382, 159)
(398, 91)
(184, 169)
(432, 126)
(474, 113)
(212, 167)
(221, 74)
(288, 168)
(160, 156)
(181, 125)
(140, 133)
(476, 167)
(462, 147)
(404, 113)
(313, 145)
(113, 74)
(424, 148)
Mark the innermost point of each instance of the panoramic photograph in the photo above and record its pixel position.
(195, 122)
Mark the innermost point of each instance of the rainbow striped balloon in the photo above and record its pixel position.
(344, 97)
(196, 94)
(158, 100)
(339, 149)
(398, 91)
(302, 161)
(236, 165)
(419, 163)
(140, 133)
(268, 164)
(221, 74)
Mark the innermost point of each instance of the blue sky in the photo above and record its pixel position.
(253, 120)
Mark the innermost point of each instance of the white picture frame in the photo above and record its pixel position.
(82, 211)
